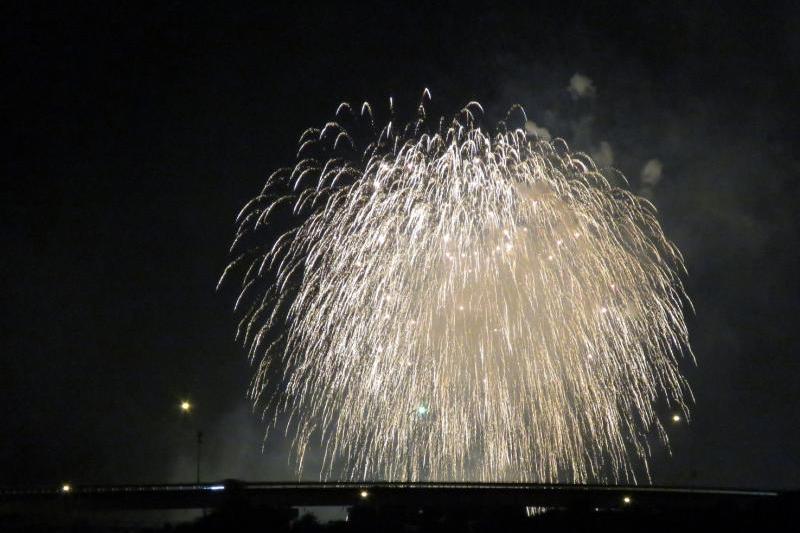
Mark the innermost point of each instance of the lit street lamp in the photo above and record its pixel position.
(418, 416)
(186, 408)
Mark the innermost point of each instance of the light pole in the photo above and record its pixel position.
(186, 409)
(419, 413)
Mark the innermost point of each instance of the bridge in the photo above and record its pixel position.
(440, 495)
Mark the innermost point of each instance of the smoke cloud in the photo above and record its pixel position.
(581, 86)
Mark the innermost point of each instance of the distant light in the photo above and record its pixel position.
(66, 487)
(215, 487)
(676, 418)
(626, 500)
(364, 494)
(186, 406)
(422, 410)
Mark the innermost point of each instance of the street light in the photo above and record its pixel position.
(421, 412)
(66, 487)
(186, 408)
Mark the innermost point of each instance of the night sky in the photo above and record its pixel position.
(134, 134)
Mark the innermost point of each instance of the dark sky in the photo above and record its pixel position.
(134, 134)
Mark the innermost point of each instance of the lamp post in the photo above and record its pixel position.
(186, 409)
(417, 415)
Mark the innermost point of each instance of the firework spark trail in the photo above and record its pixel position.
(458, 305)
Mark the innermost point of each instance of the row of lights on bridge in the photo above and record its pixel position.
(66, 488)
(627, 500)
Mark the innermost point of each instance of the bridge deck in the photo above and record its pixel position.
(281, 494)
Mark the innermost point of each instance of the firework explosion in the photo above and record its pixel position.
(453, 305)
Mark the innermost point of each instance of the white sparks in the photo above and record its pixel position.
(383, 244)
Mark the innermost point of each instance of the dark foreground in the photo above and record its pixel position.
(386, 507)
